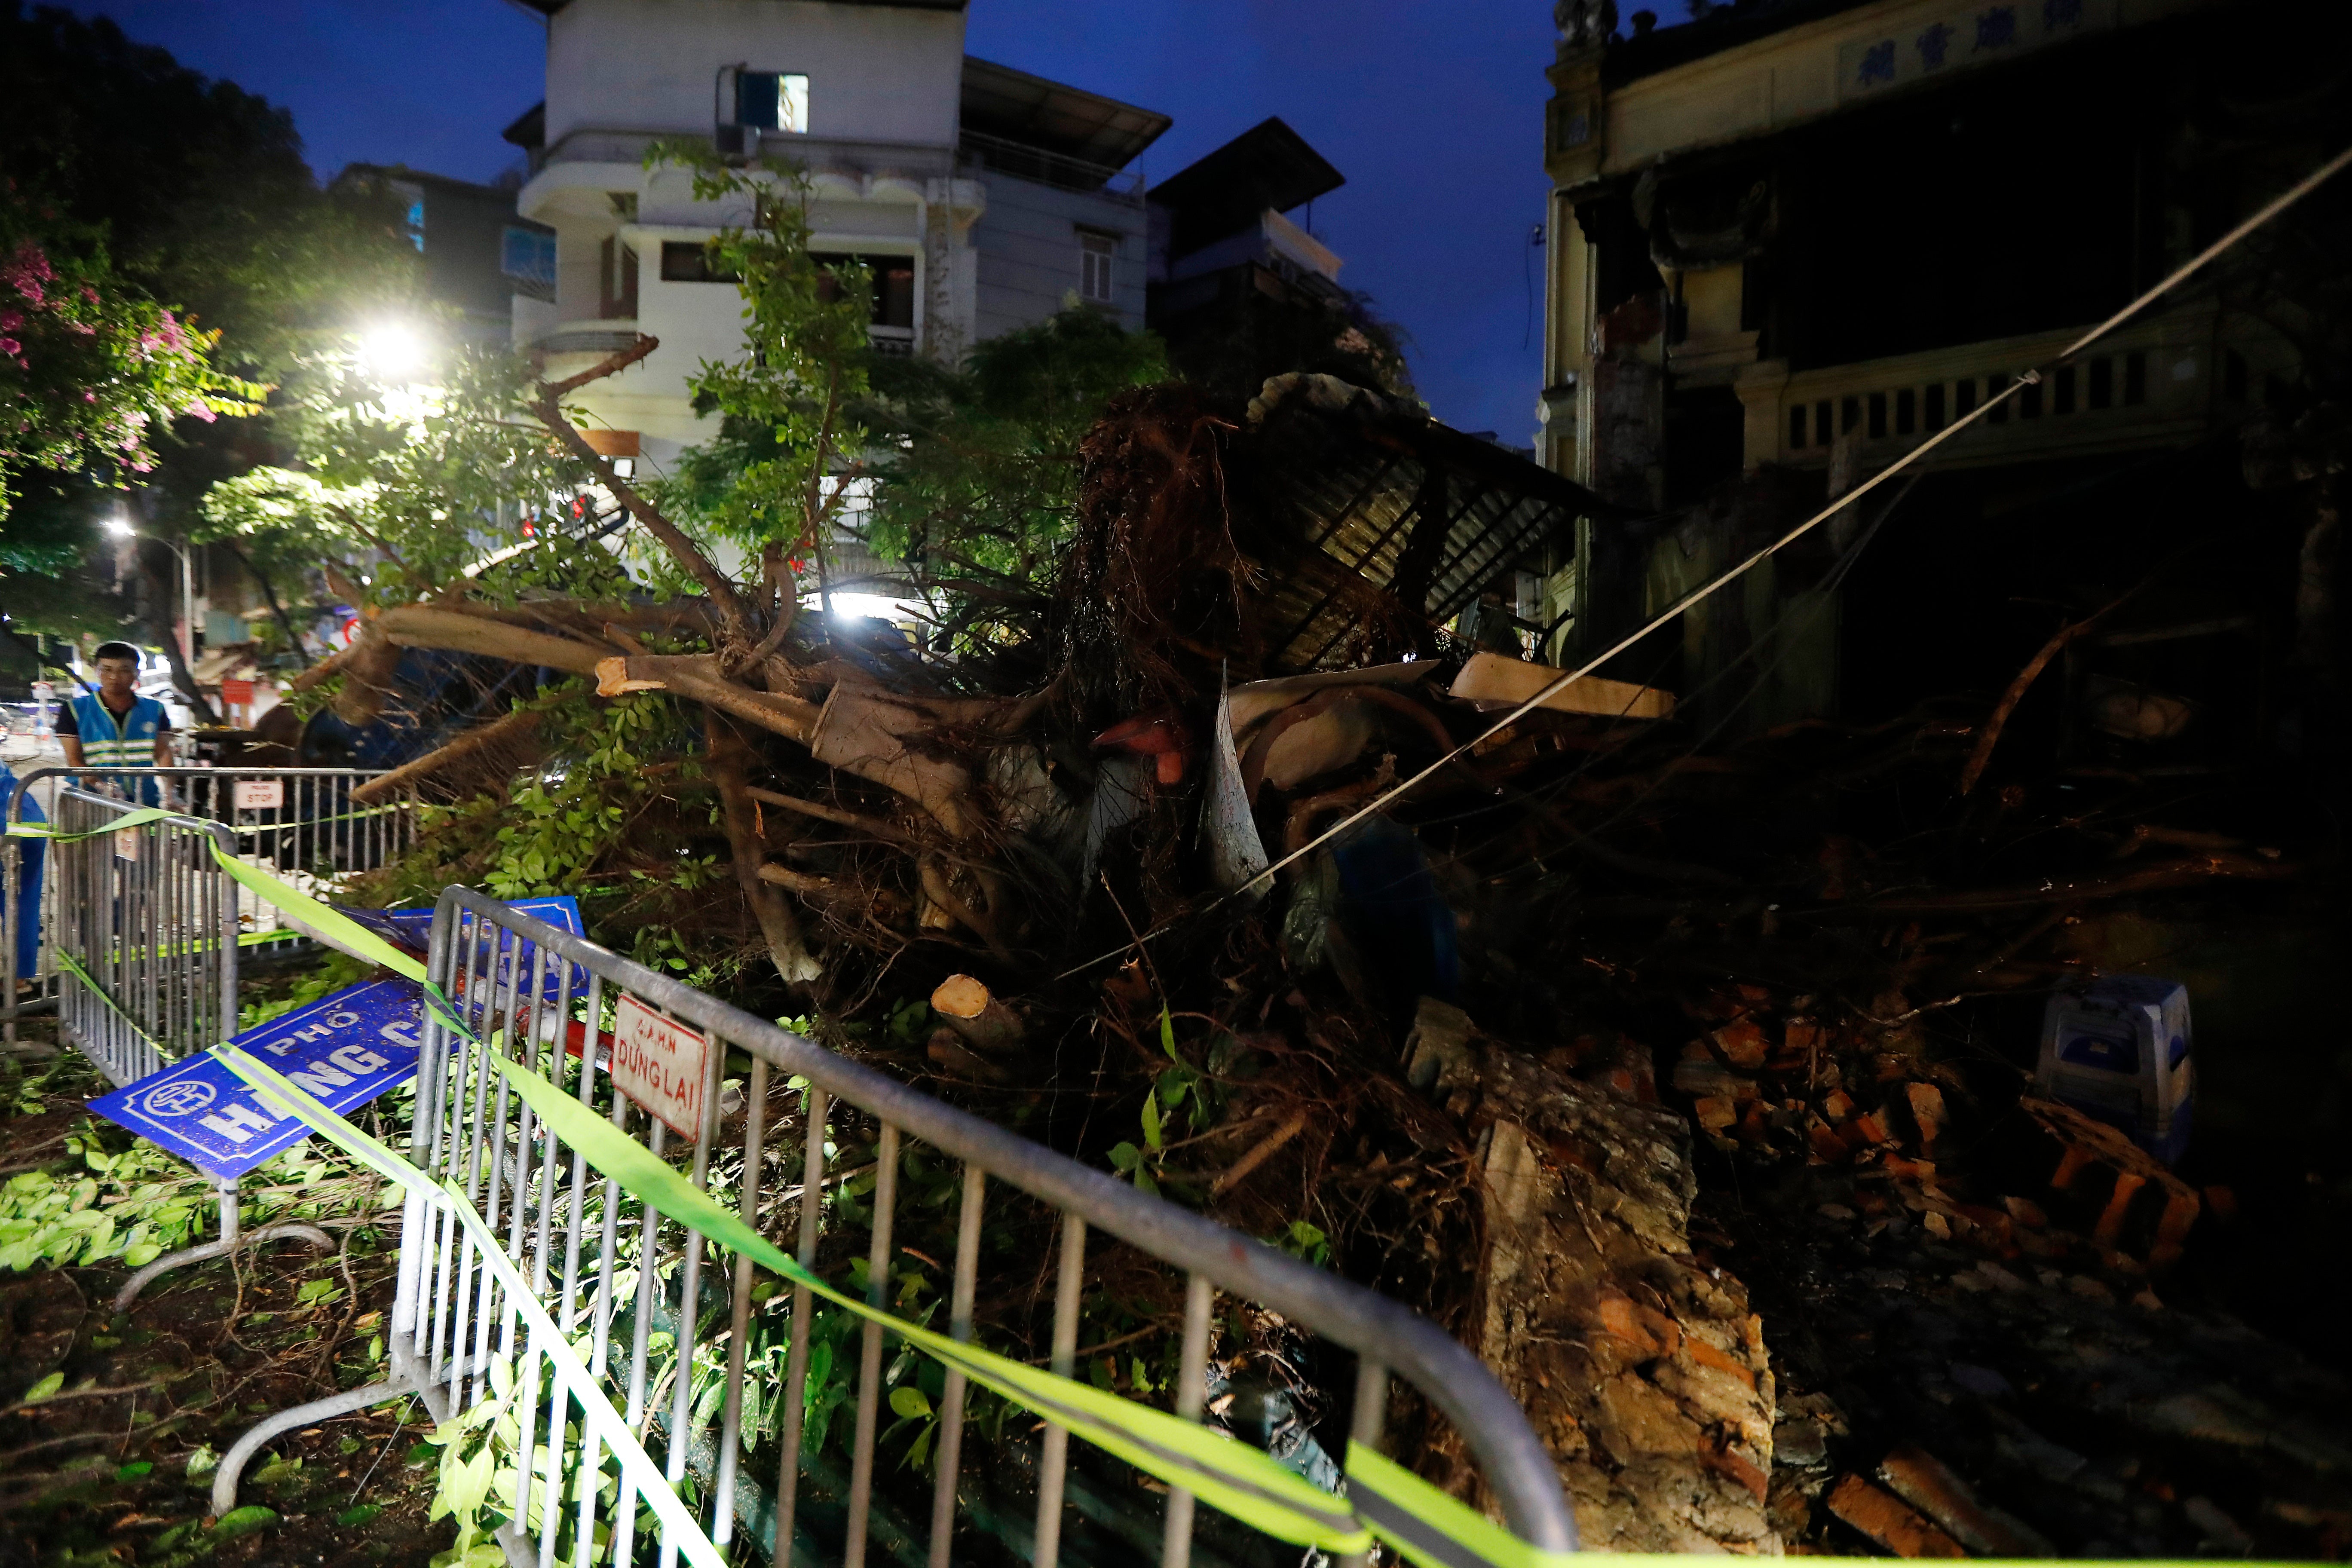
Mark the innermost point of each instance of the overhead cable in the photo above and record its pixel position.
(1379, 803)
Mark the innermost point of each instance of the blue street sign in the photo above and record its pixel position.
(346, 1050)
(412, 928)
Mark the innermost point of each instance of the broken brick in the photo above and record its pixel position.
(1742, 1043)
(1927, 1109)
(1928, 1484)
(1889, 1522)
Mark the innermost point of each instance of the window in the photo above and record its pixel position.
(528, 255)
(772, 100)
(411, 197)
(1095, 253)
(894, 285)
(619, 261)
(689, 261)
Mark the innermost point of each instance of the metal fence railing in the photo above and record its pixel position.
(298, 822)
(142, 932)
(142, 936)
(648, 1310)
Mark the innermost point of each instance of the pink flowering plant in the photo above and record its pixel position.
(89, 369)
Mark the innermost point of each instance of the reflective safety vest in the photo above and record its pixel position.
(128, 741)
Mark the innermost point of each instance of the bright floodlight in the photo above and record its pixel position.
(118, 526)
(391, 351)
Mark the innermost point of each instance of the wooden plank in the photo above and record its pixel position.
(1491, 677)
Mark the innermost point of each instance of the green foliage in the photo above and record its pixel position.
(181, 241)
(134, 1204)
(1304, 1241)
(778, 476)
(559, 827)
(202, 194)
(413, 473)
(90, 370)
(107, 1196)
(1173, 1089)
(334, 971)
(244, 1521)
(981, 464)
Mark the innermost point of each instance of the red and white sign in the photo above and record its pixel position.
(659, 1064)
(260, 795)
(237, 693)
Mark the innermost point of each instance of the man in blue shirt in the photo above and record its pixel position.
(114, 727)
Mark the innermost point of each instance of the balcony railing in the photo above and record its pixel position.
(1055, 169)
(2151, 382)
(818, 155)
(606, 337)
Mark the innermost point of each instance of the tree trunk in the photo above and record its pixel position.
(160, 599)
(277, 610)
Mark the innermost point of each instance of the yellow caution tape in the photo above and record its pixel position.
(1385, 1500)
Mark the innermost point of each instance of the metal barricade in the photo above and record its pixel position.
(300, 823)
(613, 1275)
(142, 935)
(142, 932)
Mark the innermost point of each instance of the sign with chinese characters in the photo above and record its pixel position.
(1979, 35)
(660, 1064)
(258, 795)
(345, 1050)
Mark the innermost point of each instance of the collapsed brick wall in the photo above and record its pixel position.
(1642, 1369)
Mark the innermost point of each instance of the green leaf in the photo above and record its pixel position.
(1125, 1156)
(244, 1521)
(1168, 1034)
(1144, 1183)
(363, 1514)
(132, 1472)
(44, 1388)
(910, 1403)
(1151, 1121)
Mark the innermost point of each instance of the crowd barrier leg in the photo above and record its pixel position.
(232, 1236)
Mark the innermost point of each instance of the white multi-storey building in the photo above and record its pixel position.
(983, 198)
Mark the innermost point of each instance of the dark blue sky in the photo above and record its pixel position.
(1433, 109)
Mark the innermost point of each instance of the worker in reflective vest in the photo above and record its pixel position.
(114, 727)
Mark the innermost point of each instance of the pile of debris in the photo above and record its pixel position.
(1659, 1072)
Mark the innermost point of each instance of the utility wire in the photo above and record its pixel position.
(2269, 210)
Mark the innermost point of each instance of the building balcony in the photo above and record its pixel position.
(818, 155)
(575, 345)
(1035, 165)
(2159, 381)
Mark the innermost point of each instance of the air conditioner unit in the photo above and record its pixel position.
(730, 140)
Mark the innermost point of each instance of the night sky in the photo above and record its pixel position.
(1433, 109)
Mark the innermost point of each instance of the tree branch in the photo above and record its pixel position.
(787, 948)
(383, 786)
(429, 626)
(548, 408)
(269, 593)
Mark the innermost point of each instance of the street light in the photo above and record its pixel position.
(393, 351)
(120, 526)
